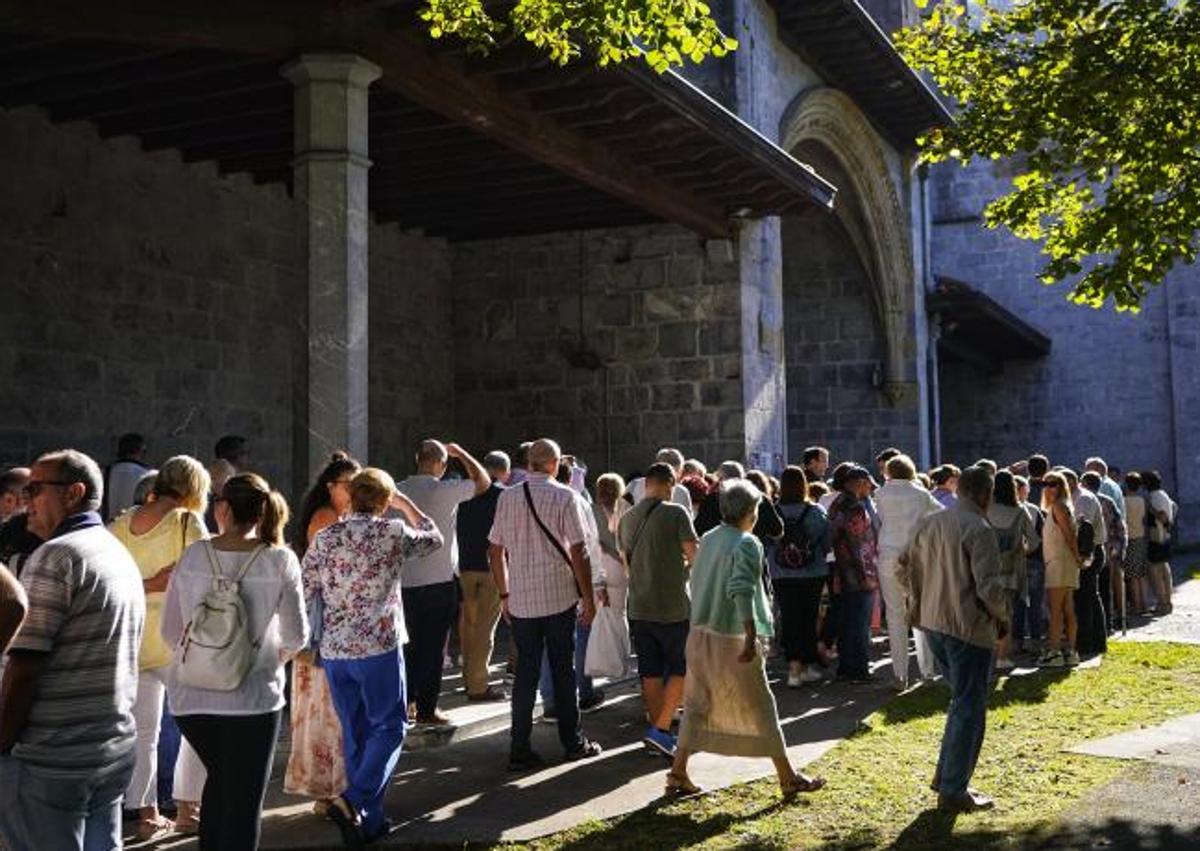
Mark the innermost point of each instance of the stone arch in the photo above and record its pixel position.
(825, 120)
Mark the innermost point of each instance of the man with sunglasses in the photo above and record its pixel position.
(66, 721)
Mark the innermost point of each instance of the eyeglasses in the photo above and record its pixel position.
(34, 488)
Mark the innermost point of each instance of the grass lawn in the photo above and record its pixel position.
(877, 794)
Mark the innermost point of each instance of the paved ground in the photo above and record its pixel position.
(460, 791)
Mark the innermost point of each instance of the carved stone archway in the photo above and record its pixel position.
(869, 209)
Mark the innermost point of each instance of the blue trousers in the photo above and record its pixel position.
(854, 633)
(582, 684)
(1029, 619)
(968, 673)
(553, 635)
(370, 698)
(79, 814)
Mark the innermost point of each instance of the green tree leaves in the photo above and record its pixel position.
(1098, 101)
(664, 33)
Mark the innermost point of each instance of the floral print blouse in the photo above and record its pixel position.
(855, 546)
(354, 566)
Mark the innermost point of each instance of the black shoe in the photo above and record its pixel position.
(969, 801)
(343, 815)
(549, 716)
(587, 748)
(386, 828)
(592, 703)
(524, 761)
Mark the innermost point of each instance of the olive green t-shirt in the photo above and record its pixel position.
(657, 575)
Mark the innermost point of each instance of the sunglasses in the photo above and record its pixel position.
(34, 488)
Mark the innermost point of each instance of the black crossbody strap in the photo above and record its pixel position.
(550, 535)
(637, 533)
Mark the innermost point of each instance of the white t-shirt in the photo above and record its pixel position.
(1135, 516)
(1160, 502)
(679, 496)
(123, 477)
(439, 498)
(275, 610)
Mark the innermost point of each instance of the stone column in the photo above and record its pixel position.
(764, 385)
(330, 175)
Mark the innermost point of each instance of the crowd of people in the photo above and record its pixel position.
(160, 625)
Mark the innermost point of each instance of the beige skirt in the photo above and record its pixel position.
(728, 707)
(316, 767)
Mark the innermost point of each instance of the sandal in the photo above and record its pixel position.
(149, 830)
(801, 785)
(188, 819)
(677, 785)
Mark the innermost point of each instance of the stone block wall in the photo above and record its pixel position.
(834, 349)
(615, 341)
(139, 293)
(1123, 386)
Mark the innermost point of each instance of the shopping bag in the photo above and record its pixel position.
(608, 645)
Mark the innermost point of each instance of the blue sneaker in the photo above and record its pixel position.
(660, 741)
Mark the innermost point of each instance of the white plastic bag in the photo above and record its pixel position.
(608, 645)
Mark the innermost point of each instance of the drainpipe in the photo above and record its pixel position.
(932, 325)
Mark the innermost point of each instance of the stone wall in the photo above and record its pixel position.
(617, 342)
(834, 348)
(139, 293)
(1123, 386)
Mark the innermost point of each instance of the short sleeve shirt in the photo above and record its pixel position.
(439, 498)
(657, 575)
(86, 613)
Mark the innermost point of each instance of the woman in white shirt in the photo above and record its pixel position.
(234, 732)
(1160, 510)
(901, 503)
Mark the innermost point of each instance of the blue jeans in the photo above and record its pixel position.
(76, 814)
(968, 673)
(553, 635)
(370, 698)
(169, 740)
(583, 684)
(854, 633)
(1029, 619)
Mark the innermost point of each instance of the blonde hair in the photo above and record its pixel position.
(371, 490)
(901, 467)
(185, 479)
(609, 489)
(1057, 479)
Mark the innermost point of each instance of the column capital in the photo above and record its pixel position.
(331, 67)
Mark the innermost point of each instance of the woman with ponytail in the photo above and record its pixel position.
(316, 766)
(234, 732)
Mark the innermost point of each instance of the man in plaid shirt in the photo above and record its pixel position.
(542, 570)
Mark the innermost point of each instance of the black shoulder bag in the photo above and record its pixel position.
(550, 536)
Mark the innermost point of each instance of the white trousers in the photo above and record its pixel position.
(147, 714)
(893, 598)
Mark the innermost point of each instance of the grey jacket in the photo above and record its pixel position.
(951, 576)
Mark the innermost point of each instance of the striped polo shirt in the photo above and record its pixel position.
(86, 612)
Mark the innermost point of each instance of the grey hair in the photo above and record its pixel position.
(738, 498)
(497, 462)
(671, 457)
(730, 470)
(542, 452)
(432, 452)
(976, 485)
(74, 466)
(146, 484)
(1097, 464)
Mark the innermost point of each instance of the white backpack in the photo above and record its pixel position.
(216, 650)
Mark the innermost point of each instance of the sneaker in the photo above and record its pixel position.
(1071, 657)
(795, 680)
(592, 703)
(812, 674)
(661, 741)
(587, 748)
(1005, 664)
(491, 693)
(969, 801)
(434, 719)
(1051, 659)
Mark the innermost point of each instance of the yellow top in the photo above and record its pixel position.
(153, 550)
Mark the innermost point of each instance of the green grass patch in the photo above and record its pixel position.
(878, 794)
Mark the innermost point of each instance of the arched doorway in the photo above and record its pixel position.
(848, 290)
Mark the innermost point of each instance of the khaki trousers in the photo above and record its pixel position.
(480, 614)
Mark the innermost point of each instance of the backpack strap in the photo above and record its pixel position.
(216, 568)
